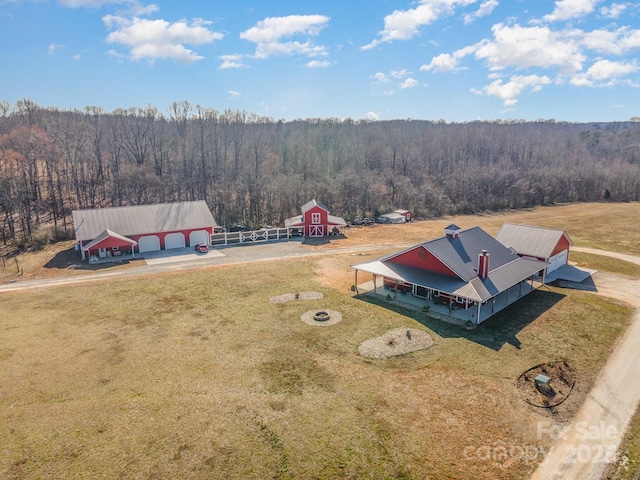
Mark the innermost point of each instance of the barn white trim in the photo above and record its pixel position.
(149, 243)
(174, 240)
(198, 236)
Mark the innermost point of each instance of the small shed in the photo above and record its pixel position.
(408, 217)
(315, 220)
(393, 217)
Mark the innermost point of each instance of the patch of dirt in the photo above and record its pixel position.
(396, 342)
(295, 297)
(562, 376)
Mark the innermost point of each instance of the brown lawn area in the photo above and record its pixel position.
(197, 375)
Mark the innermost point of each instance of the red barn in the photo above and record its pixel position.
(549, 245)
(315, 220)
(469, 271)
(117, 231)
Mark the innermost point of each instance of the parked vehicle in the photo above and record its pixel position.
(202, 248)
(239, 228)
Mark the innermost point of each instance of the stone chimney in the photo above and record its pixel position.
(483, 264)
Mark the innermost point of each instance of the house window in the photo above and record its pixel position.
(315, 218)
(459, 300)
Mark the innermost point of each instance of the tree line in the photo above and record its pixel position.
(256, 170)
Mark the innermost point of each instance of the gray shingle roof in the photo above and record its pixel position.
(461, 255)
(142, 219)
(530, 240)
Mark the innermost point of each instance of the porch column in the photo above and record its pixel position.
(478, 318)
(82, 249)
(355, 280)
(507, 300)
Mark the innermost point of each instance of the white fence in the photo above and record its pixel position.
(255, 236)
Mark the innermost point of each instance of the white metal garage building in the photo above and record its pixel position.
(550, 245)
(155, 227)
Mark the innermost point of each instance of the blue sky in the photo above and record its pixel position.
(457, 60)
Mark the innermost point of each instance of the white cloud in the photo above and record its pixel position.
(233, 95)
(604, 70)
(567, 9)
(381, 78)
(231, 61)
(616, 42)
(409, 83)
(318, 64)
(485, 8)
(522, 47)
(75, 57)
(373, 116)
(53, 48)
(267, 34)
(154, 39)
(133, 7)
(615, 10)
(510, 91)
(405, 24)
(399, 73)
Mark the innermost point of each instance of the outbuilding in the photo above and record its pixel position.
(117, 231)
(550, 245)
(315, 221)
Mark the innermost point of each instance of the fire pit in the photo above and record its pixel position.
(321, 316)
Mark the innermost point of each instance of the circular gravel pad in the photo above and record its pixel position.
(294, 297)
(394, 343)
(307, 317)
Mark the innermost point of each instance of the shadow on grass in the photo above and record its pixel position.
(69, 258)
(494, 333)
(316, 241)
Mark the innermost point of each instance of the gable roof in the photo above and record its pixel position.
(313, 203)
(531, 240)
(461, 256)
(142, 219)
(108, 234)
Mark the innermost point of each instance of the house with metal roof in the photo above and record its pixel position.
(549, 245)
(116, 231)
(468, 272)
(315, 221)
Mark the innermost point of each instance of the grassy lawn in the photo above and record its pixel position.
(198, 375)
(629, 465)
(605, 264)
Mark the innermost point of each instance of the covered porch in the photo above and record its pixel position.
(108, 247)
(447, 309)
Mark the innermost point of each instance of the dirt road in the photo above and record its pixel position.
(586, 448)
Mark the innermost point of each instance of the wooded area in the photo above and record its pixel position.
(256, 170)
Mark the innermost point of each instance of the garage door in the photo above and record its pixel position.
(557, 261)
(150, 243)
(198, 236)
(174, 240)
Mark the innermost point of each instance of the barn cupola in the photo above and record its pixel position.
(452, 231)
(483, 264)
